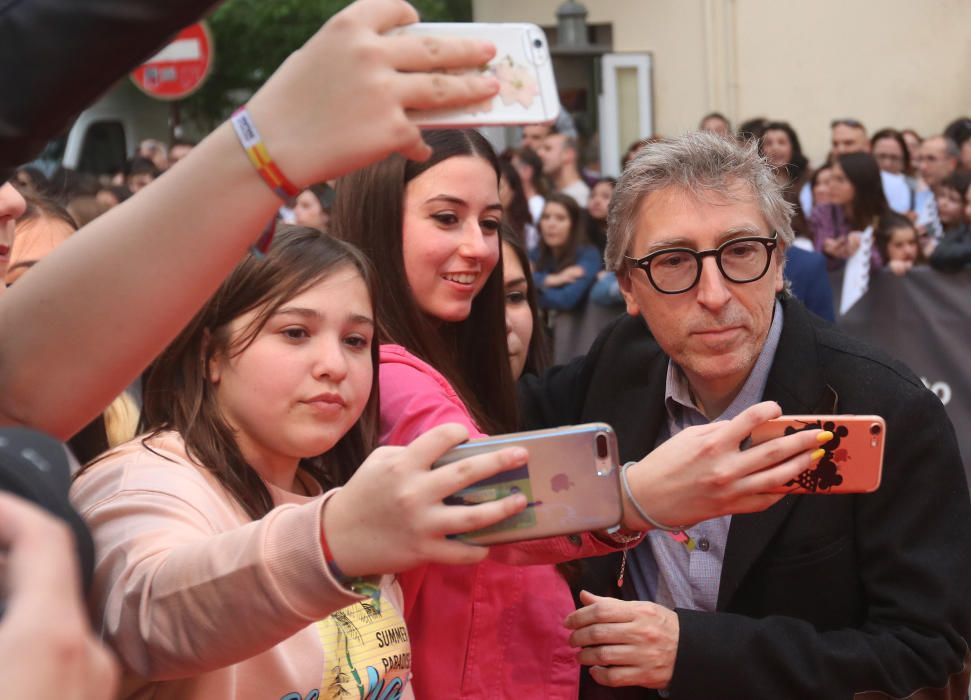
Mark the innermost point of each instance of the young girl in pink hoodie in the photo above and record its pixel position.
(229, 563)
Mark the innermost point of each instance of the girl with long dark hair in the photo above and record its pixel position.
(432, 231)
(564, 268)
(857, 202)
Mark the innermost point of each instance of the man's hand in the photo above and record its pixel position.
(625, 642)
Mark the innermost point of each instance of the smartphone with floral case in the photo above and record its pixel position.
(522, 65)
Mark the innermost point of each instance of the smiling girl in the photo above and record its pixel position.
(492, 630)
(229, 565)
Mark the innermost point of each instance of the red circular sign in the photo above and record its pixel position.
(179, 69)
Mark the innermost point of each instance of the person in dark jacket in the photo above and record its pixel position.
(818, 596)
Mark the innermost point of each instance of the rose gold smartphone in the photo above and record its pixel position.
(522, 65)
(571, 482)
(853, 459)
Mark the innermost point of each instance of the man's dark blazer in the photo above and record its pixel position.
(823, 596)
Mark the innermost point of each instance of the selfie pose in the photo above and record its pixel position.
(228, 563)
(493, 630)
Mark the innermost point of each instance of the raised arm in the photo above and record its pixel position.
(94, 313)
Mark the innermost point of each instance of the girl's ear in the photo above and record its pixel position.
(212, 366)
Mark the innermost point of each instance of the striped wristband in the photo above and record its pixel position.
(256, 151)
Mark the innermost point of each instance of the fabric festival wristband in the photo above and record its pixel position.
(249, 139)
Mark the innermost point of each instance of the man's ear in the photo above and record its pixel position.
(624, 281)
(780, 266)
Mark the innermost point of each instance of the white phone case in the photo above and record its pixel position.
(571, 482)
(522, 65)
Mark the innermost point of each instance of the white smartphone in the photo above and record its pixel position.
(571, 482)
(522, 65)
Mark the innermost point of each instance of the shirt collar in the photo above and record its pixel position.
(678, 397)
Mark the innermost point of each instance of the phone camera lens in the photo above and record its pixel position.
(602, 451)
(538, 43)
(875, 429)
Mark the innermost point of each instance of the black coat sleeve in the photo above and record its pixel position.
(912, 546)
(59, 56)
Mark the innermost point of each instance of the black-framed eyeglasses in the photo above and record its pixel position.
(676, 270)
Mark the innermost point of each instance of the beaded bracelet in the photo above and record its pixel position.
(252, 143)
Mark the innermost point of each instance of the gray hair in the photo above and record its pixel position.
(697, 163)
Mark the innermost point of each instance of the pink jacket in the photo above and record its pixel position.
(495, 629)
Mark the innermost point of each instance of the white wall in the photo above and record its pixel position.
(894, 63)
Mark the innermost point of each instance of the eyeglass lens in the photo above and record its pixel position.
(739, 261)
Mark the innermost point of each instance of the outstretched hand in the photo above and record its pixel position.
(390, 516)
(701, 473)
(342, 101)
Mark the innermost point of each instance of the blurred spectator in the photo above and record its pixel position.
(849, 136)
(313, 205)
(85, 209)
(950, 199)
(30, 178)
(562, 166)
(890, 150)
(953, 252)
(43, 226)
(66, 183)
(564, 269)
(528, 347)
(857, 202)
(113, 195)
(140, 173)
(179, 149)
(898, 243)
(938, 158)
(154, 150)
(913, 141)
(752, 129)
(959, 131)
(635, 147)
(597, 207)
(716, 123)
(530, 168)
(819, 184)
(780, 146)
(515, 208)
(534, 135)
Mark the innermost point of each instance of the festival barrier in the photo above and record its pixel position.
(922, 319)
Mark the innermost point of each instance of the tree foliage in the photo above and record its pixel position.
(252, 38)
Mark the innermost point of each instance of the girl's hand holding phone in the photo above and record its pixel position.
(390, 516)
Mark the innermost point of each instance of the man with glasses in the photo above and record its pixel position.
(818, 596)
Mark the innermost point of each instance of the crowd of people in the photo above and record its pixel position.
(272, 526)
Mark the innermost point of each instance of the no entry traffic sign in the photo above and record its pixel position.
(180, 68)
